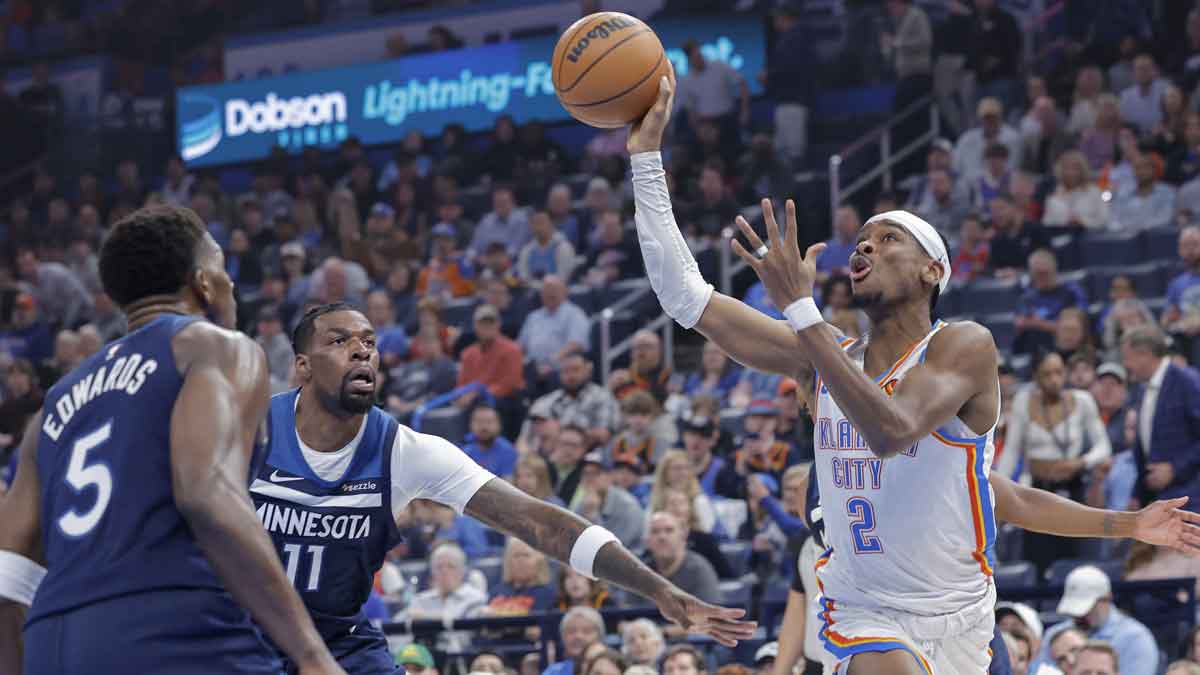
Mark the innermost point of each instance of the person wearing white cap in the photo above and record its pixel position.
(1087, 598)
(764, 658)
(923, 394)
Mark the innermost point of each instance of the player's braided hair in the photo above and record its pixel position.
(152, 251)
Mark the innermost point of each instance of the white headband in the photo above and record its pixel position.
(926, 236)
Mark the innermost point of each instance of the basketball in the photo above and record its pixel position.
(606, 69)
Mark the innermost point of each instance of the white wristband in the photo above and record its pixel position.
(803, 313)
(589, 543)
(19, 577)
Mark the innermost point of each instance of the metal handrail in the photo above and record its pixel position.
(887, 157)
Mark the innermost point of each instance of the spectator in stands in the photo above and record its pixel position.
(1141, 103)
(552, 331)
(1059, 649)
(566, 461)
(500, 294)
(994, 179)
(108, 319)
(27, 336)
(1076, 201)
(1182, 667)
(532, 476)
(447, 274)
(415, 658)
(971, 256)
(582, 632)
(242, 262)
(558, 205)
(485, 445)
(717, 376)
(907, 42)
(542, 160)
(23, 397)
(494, 361)
(700, 436)
(548, 252)
(525, 586)
(614, 255)
(391, 340)
(496, 263)
(1150, 204)
(1013, 238)
(1182, 314)
(277, 347)
(647, 435)
(938, 158)
(837, 294)
(757, 297)
(712, 91)
(1168, 137)
(760, 452)
(1042, 302)
(676, 472)
(1097, 658)
(1087, 598)
(412, 384)
(607, 662)
(90, 341)
(994, 52)
(714, 209)
(62, 361)
(1081, 368)
(1048, 140)
(647, 371)
(450, 212)
(1099, 141)
(177, 184)
(683, 659)
(1089, 85)
(968, 152)
(450, 526)
(1167, 450)
(762, 170)
(450, 596)
(576, 590)
(1018, 618)
(1124, 315)
(835, 259)
(501, 159)
(61, 298)
(488, 662)
(642, 642)
(676, 503)
(1061, 435)
(788, 83)
(666, 543)
(944, 205)
(1073, 335)
(505, 223)
(602, 503)
(1183, 164)
(1111, 395)
(339, 280)
(582, 402)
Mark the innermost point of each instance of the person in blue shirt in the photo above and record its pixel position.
(1041, 303)
(836, 256)
(485, 445)
(1183, 293)
(392, 340)
(1087, 599)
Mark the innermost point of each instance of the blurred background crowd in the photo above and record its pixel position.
(1066, 179)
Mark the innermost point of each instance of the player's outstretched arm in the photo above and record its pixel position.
(216, 417)
(1163, 523)
(21, 555)
(747, 335)
(556, 532)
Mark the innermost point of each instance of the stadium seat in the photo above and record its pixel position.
(459, 312)
(1003, 329)
(990, 296)
(1059, 569)
(950, 303)
(731, 512)
(1014, 575)
(1161, 243)
(1149, 279)
(448, 422)
(738, 555)
(585, 297)
(492, 567)
(1111, 248)
(735, 593)
(1010, 543)
(731, 421)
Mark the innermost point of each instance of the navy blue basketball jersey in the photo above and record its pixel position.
(332, 535)
(109, 521)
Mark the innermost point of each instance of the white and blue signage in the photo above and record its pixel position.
(382, 101)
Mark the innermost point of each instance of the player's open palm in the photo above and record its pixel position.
(1165, 523)
(695, 616)
(786, 274)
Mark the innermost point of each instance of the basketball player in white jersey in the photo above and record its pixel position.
(904, 422)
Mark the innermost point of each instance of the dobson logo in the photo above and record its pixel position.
(199, 125)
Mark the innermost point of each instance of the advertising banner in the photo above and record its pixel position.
(380, 102)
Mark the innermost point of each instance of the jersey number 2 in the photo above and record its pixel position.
(81, 476)
(862, 523)
(293, 553)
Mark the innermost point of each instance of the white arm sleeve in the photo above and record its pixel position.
(430, 467)
(672, 270)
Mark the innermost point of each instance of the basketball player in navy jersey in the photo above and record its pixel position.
(339, 470)
(131, 488)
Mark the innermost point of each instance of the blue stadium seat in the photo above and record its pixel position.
(735, 593)
(459, 312)
(1111, 248)
(738, 555)
(1003, 329)
(1014, 575)
(491, 567)
(448, 422)
(1010, 543)
(990, 296)
(1161, 243)
(585, 297)
(950, 303)
(1150, 279)
(1059, 569)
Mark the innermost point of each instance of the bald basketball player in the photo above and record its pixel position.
(904, 421)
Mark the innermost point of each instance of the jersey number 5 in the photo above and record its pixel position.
(862, 523)
(80, 476)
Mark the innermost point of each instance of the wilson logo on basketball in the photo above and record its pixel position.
(600, 31)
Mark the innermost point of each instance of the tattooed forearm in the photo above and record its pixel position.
(553, 531)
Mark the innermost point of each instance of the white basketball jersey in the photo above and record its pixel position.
(912, 533)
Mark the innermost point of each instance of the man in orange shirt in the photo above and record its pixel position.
(496, 362)
(447, 274)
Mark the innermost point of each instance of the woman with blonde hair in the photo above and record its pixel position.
(1089, 86)
(532, 476)
(576, 590)
(1077, 201)
(675, 471)
(524, 587)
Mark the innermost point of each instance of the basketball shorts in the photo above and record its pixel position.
(167, 632)
(953, 644)
(360, 648)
